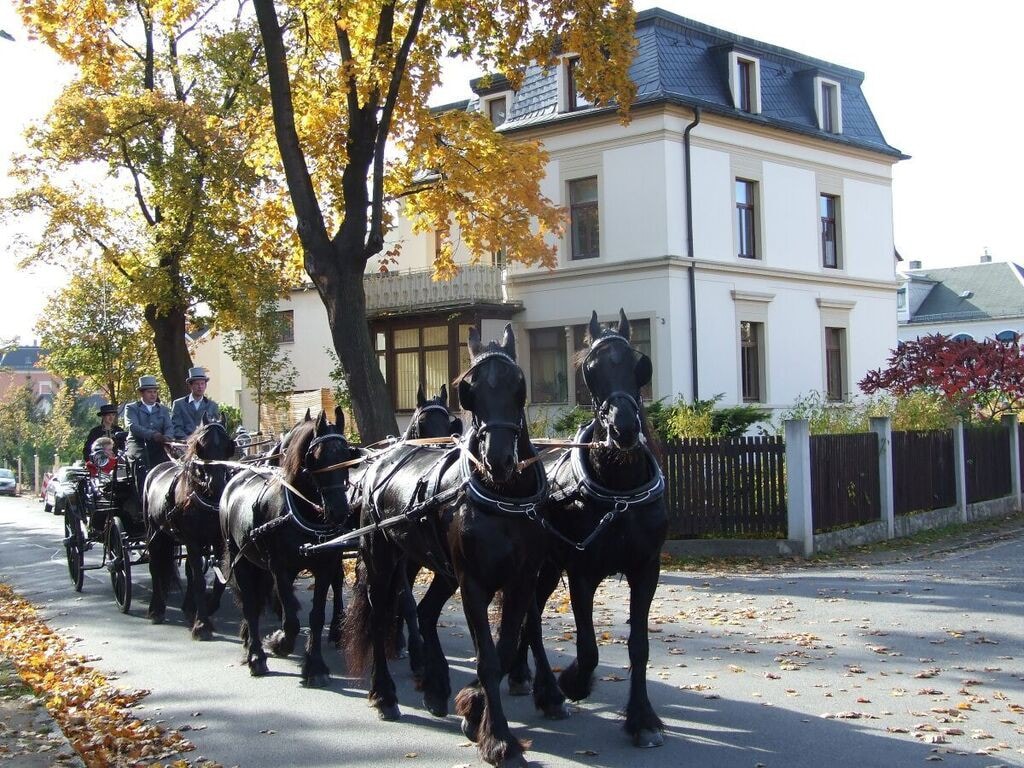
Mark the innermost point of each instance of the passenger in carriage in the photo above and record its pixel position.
(108, 427)
(149, 428)
(187, 412)
(102, 459)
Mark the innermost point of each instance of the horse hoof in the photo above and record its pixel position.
(317, 681)
(156, 618)
(519, 688)
(435, 705)
(258, 668)
(557, 711)
(388, 712)
(646, 739)
(519, 761)
(202, 634)
(469, 730)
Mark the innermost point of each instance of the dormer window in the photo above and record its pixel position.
(573, 98)
(745, 82)
(828, 105)
(497, 110)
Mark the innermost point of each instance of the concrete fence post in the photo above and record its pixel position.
(960, 469)
(1011, 424)
(798, 483)
(882, 426)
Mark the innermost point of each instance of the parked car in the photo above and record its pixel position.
(62, 483)
(8, 483)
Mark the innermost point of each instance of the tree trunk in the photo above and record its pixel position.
(168, 327)
(346, 315)
(334, 265)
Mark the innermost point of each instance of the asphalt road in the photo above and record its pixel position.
(794, 667)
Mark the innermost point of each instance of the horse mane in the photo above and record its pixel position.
(192, 444)
(298, 441)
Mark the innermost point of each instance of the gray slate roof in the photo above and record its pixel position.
(680, 61)
(21, 358)
(996, 288)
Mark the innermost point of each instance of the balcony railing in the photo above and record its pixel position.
(416, 290)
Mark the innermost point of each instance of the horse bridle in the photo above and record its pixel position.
(602, 409)
(414, 424)
(314, 443)
(481, 428)
(202, 478)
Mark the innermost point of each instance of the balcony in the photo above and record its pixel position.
(415, 291)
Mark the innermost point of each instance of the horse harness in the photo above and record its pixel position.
(320, 533)
(587, 490)
(428, 498)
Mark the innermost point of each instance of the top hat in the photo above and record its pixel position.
(105, 409)
(195, 374)
(148, 382)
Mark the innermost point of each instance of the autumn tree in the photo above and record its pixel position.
(97, 334)
(350, 83)
(257, 352)
(141, 160)
(977, 378)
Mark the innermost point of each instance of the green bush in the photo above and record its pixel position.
(702, 418)
(919, 410)
(232, 417)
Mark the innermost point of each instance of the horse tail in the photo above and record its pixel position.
(357, 632)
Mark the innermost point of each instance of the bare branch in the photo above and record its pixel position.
(137, 181)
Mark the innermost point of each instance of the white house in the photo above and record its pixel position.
(975, 301)
(743, 220)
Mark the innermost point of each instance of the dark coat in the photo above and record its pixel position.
(142, 425)
(185, 416)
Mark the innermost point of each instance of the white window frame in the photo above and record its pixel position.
(45, 387)
(837, 103)
(485, 106)
(835, 313)
(735, 57)
(564, 97)
(752, 307)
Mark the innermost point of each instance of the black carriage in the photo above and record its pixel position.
(105, 510)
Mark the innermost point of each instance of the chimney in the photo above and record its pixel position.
(914, 265)
(986, 257)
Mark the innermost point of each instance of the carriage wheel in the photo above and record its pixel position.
(119, 563)
(74, 545)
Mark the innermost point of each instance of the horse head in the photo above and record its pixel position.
(314, 459)
(432, 418)
(614, 372)
(209, 445)
(493, 389)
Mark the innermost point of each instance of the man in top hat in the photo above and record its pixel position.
(108, 427)
(187, 412)
(149, 427)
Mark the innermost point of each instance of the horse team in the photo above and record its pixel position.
(488, 512)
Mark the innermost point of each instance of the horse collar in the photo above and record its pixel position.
(509, 506)
(588, 488)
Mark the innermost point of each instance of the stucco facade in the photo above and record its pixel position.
(809, 318)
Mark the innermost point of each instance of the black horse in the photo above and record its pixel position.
(607, 515)
(431, 419)
(180, 505)
(266, 515)
(468, 514)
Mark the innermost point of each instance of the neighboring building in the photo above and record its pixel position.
(977, 301)
(785, 243)
(18, 367)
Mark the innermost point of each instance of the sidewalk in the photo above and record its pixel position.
(29, 736)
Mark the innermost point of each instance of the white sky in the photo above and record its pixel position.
(939, 78)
